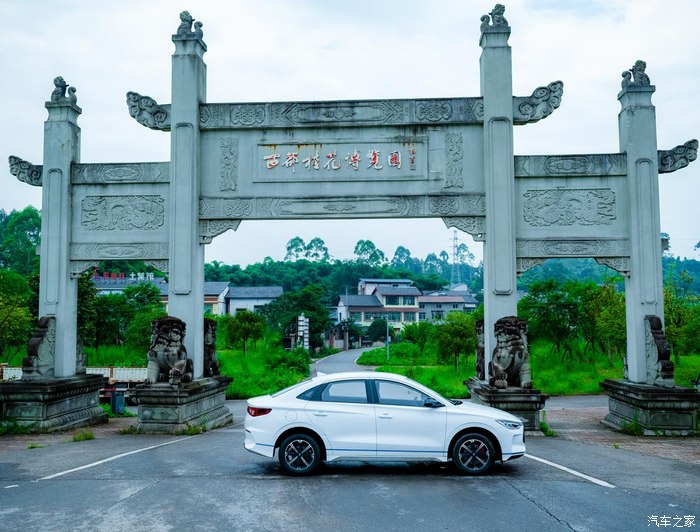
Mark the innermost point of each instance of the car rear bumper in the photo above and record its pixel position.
(256, 447)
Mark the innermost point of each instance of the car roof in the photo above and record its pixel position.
(357, 375)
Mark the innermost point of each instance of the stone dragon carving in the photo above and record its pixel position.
(146, 111)
(510, 363)
(25, 171)
(40, 361)
(658, 353)
(167, 356)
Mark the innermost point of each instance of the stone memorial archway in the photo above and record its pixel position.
(448, 158)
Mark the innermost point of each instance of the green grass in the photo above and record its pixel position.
(191, 431)
(443, 379)
(34, 446)
(115, 355)
(400, 354)
(107, 408)
(131, 429)
(553, 376)
(83, 435)
(262, 371)
(686, 367)
(9, 426)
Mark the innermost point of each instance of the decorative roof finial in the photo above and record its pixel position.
(186, 21)
(59, 92)
(198, 30)
(496, 19)
(497, 15)
(639, 75)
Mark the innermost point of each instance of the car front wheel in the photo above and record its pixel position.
(473, 454)
(299, 455)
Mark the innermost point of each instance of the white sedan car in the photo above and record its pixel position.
(372, 416)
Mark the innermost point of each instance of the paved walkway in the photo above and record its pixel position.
(583, 424)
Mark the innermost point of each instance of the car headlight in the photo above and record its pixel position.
(507, 423)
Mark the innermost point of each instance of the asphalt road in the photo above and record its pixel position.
(209, 482)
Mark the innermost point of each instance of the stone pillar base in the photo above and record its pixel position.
(659, 411)
(55, 404)
(166, 408)
(522, 402)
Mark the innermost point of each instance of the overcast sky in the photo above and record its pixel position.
(320, 50)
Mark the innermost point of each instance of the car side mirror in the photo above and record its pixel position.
(432, 403)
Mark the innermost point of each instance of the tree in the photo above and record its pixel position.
(138, 332)
(282, 313)
(87, 309)
(455, 336)
(418, 333)
(15, 320)
(296, 248)
(552, 314)
(610, 319)
(316, 250)
(439, 266)
(116, 312)
(244, 326)
(19, 238)
(112, 311)
(376, 331)
(367, 253)
(143, 297)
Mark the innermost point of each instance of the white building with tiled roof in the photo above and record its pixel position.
(250, 298)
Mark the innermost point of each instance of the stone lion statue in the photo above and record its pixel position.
(510, 364)
(167, 356)
(211, 362)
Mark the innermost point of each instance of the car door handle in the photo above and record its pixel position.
(384, 416)
(320, 414)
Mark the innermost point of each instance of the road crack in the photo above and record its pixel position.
(540, 506)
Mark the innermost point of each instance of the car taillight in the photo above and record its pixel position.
(255, 412)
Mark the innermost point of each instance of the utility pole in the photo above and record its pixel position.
(386, 316)
(455, 278)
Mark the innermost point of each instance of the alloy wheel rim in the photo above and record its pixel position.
(299, 455)
(474, 455)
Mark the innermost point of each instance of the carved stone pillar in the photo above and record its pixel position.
(500, 295)
(644, 286)
(58, 293)
(185, 252)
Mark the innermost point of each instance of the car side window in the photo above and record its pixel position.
(395, 393)
(345, 392)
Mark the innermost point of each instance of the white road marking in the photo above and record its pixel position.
(111, 458)
(115, 457)
(12, 486)
(568, 470)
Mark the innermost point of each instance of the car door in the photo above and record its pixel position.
(406, 428)
(343, 412)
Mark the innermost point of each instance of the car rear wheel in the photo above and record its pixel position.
(473, 454)
(299, 455)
